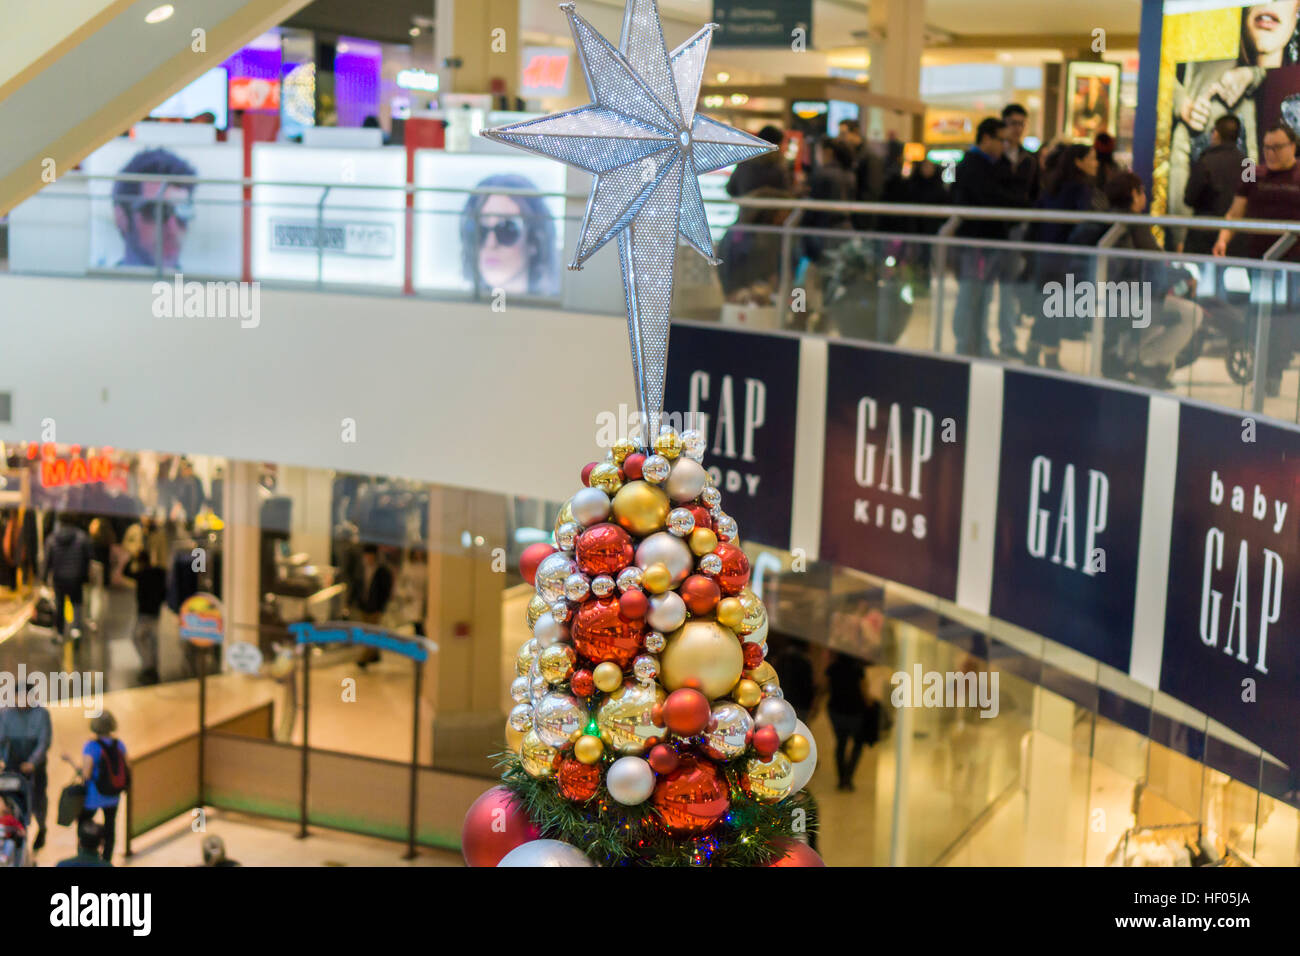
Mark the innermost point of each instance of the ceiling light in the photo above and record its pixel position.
(723, 77)
(159, 14)
(415, 31)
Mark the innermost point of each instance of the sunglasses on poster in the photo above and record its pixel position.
(507, 231)
(183, 212)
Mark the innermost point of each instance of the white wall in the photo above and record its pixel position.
(447, 392)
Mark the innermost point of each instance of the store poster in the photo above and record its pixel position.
(500, 243)
(182, 227)
(1069, 512)
(893, 465)
(1237, 58)
(1091, 100)
(740, 389)
(1232, 609)
(362, 231)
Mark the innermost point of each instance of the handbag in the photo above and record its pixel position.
(72, 801)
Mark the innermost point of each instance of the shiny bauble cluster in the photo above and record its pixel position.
(646, 667)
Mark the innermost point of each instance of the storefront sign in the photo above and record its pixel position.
(341, 632)
(545, 71)
(782, 23)
(1069, 511)
(254, 93)
(740, 390)
(418, 80)
(244, 658)
(894, 459)
(202, 620)
(1232, 608)
(58, 472)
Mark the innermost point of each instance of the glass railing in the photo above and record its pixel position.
(1216, 329)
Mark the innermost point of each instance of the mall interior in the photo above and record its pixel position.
(289, 347)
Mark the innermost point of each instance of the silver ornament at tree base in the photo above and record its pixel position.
(590, 506)
(577, 587)
(546, 853)
(519, 690)
(566, 535)
(686, 480)
(803, 770)
(548, 631)
(629, 579)
(521, 717)
(602, 585)
(558, 719)
(630, 780)
(728, 733)
(770, 780)
(670, 551)
(777, 713)
(551, 575)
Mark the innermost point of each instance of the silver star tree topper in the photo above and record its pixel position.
(647, 146)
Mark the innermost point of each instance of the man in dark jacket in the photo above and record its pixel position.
(1022, 168)
(982, 180)
(1213, 181)
(67, 565)
(769, 170)
(25, 735)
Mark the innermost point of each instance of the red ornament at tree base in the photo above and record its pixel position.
(766, 741)
(686, 712)
(601, 634)
(795, 853)
(735, 569)
(701, 594)
(577, 780)
(663, 759)
(753, 654)
(534, 555)
(494, 825)
(604, 549)
(692, 798)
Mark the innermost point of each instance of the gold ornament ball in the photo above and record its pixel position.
(622, 448)
(763, 673)
(626, 718)
(536, 608)
(640, 508)
(588, 749)
(538, 758)
(657, 578)
(669, 445)
(755, 613)
(605, 476)
(796, 747)
(770, 781)
(730, 612)
(704, 655)
(513, 738)
(746, 693)
(607, 677)
(556, 663)
(524, 657)
(702, 541)
(565, 515)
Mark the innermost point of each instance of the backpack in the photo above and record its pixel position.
(112, 776)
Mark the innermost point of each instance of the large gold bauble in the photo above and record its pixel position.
(622, 448)
(755, 613)
(704, 655)
(797, 748)
(606, 477)
(771, 781)
(513, 738)
(536, 608)
(626, 718)
(669, 444)
(607, 676)
(640, 508)
(702, 541)
(525, 656)
(537, 757)
(556, 663)
(763, 673)
(565, 515)
(746, 693)
(588, 749)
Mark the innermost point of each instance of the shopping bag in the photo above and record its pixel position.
(71, 802)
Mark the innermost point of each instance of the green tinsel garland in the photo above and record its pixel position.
(616, 835)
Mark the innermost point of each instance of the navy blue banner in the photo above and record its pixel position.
(741, 390)
(1069, 512)
(762, 23)
(1232, 611)
(894, 460)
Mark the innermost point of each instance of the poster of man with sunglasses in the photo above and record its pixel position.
(158, 224)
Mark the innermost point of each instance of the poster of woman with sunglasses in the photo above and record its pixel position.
(498, 239)
(153, 224)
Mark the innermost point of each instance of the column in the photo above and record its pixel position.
(241, 555)
(485, 37)
(897, 30)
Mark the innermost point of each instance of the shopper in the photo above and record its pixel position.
(90, 838)
(1213, 181)
(67, 565)
(1273, 193)
(373, 595)
(25, 736)
(1104, 146)
(150, 592)
(214, 852)
(768, 171)
(1022, 167)
(106, 772)
(751, 260)
(833, 181)
(1070, 186)
(853, 719)
(869, 172)
(982, 180)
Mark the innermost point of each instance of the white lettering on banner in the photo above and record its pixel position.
(890, 477)
(1063, 551)
(724, 435)
(1270, 597)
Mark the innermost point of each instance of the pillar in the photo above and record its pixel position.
(311, 490)
(485, 37)
(897, 31)
(240, 551)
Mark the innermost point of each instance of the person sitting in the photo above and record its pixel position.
(90, 835)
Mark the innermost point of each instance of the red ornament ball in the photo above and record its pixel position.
(686, 712)
(586, 473)
(663, 759)
(753, 654)
(582, 683)
(534, 555)
(577, 780)
(795, 853)
(633, 465)
(735, 568)
(700, 594)
(604, 549)
(702, 517)
(692, 798)
(766, 741)
(495, 824)
(633, 605)
(601, 634)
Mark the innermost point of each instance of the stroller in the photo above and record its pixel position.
(15, 799)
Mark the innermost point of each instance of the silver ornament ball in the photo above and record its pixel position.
(728, 732)
(681, 522)
(560, 610)
(559, 718)
(521, 717)
(655, 642)
(577, 587)
(646, 667)
(670, 551)
(693, 443)
(519, 690)
(589, 506)
(726, 528)
(602, 585)
(547, 630)
(655, 469)
(629, 579)
(777, 713)
(687, 479)
(711, 497)
(546, 853)
(551, 575)
(711, 564)
(667, 611)
(630, 780)
(566, 535)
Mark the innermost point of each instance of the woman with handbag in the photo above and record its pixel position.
(107, 774)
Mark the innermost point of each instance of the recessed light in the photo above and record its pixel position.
(159, 14)
(415, 31)
(724, 77)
